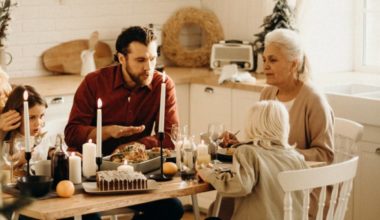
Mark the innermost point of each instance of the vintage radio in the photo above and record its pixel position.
(231, 52)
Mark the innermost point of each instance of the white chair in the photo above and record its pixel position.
(347, 134)
(339, 175)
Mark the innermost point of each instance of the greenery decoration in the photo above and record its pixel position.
(282, 17)
(5, 17)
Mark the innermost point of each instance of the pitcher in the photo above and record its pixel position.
(88, 62)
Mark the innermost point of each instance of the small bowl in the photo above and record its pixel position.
(35, 186)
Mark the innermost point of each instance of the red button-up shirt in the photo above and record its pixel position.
(121, 106)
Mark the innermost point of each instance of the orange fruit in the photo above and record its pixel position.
(169, 168)
(65, 188)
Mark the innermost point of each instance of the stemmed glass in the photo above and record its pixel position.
(11, 154)
(176, 135)
(215, 131)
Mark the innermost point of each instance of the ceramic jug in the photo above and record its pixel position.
(88, 62)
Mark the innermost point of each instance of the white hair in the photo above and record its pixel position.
(268, 124)
(291, 45)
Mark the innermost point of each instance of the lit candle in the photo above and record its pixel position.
(75, 174)
(202, 148)
(99, 129)
(125, 167)
(204, 159)
(89, 159)
(161, 124)
(202, 153)
(26, 122)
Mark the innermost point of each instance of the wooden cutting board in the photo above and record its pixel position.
(66, 57)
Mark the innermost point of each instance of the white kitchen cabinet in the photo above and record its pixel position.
(57, 113)
(242, 101)
(209, 104)
(183, 99)
(58, 106)
(367, 188)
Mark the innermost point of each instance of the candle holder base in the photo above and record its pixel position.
(99, 161)
(28, 156)
(160, 177)
(90, 178)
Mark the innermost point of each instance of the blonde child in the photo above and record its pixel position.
(252, 181)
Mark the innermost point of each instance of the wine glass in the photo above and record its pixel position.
(215, 132)
(11, 154)
(176, 135)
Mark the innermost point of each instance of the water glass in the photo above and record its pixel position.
(215, 132)
(11, 154)
(188, 159)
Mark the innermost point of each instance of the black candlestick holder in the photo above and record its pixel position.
(99, 161)
(28, 156)
(160, 177)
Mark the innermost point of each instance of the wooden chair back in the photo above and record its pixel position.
(339, 175)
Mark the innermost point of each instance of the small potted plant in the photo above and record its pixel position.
(5, 7)
(282, 17)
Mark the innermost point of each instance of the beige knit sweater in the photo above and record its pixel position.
(253, 181)
(311, 122)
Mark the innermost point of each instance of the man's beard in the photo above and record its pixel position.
(136, 78)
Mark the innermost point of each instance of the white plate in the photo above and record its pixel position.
(90, 187)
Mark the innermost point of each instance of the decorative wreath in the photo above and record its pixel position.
(181, 56)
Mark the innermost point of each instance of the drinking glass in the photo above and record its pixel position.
(11, 154)
(176, 135)
(188, 159)
(215, 131)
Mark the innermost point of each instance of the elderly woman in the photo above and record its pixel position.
(311, 117)
(11, 119)
(256, 163)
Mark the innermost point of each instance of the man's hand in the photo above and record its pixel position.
(229, 139)
(10, 120)
(117, 131)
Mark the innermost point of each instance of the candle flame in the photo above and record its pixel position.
(72, 154)
(89, 140)
(125, 162)
(163, 77)
(99, 103)
(25, 95)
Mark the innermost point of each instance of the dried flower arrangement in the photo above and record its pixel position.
(5, 17)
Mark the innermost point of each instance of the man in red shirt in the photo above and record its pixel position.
(130, 93)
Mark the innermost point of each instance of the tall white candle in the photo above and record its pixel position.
(161, 125)
(75, 174)
(99, 129)
(26, 122)
(89, 159)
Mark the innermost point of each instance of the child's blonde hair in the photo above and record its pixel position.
(268, 125)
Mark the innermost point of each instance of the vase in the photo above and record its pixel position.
(5, 58)
(88, 62)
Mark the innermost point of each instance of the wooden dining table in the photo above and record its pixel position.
(84, 203)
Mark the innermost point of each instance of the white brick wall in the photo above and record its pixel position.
(38, 25)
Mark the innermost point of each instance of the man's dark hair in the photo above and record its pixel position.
(135, 33)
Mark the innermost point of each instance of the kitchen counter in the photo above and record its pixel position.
(68, 84)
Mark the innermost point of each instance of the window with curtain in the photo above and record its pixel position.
(368, 58)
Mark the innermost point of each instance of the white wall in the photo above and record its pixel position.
(40, 24)
(327, 26)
